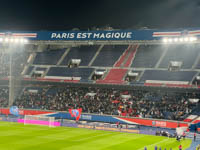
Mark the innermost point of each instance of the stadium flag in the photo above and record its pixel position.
(14, 110)
(75, 113)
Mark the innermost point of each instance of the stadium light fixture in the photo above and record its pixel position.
(6, 40)
(175, 39)
(191, 39)
(21, 40)
(165, 40)
(16, 40)
(170, 40)
(179, 40)
(186, 39)
(25, 41)
(10, 40)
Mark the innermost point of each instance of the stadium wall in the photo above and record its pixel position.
(103, 118)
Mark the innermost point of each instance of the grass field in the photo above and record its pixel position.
(14, 136)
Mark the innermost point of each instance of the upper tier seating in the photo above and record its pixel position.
(48, 57)
(184, 53)
(147, 56)
(84, 73)
(29, 70)
(164, 75)
(109, 54)
(40, 69)
(85, 53)
(198, 65)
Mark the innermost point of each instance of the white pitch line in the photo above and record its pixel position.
(101, 135)
(90, 137)
(154, 144)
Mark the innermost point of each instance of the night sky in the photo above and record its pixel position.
(120, 14)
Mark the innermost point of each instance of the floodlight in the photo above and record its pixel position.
(25, 41)
(165, 40)
(194, 38)
(170, 40)
(21, 40)
(186, 39)
(6, 40)
(1, 39)
(16, 40)
(181, 39)
(176, 40)
(11, 40)
(190, 39)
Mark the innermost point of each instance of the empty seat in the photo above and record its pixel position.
(184, 53)
(48, 57)
(109, 54)
(165, 75)
(84, 73)
(147, 56)
(85, 53)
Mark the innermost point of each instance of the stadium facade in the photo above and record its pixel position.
(123, 59)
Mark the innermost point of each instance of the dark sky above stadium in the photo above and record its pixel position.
(120, 14)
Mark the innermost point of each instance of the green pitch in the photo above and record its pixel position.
(15, 136)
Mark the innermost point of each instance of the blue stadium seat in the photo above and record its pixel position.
(30, 68)
(185, 53)
(48, 57)
(40, 69)
(109, 54)
(165, 75)
(85, 53)
(147, 56)
(84, 73)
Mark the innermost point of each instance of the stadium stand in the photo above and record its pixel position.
(75, 74)
(29, 70)
(48, 57)
(147, 56)
(18, 62)
(40, 69)
(4, 96)
(136, 103)
(183, 53)
(165, 75)
(198, 65)
(79, 73)
(109, 54)
(115, 76)
(85, 53)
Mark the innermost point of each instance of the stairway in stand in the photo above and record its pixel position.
(131, 57)
(123, 57)
(116, 75)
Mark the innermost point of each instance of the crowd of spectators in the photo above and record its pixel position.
(4, 96)
(135, 103)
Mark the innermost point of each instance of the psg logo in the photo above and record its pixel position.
(14, 110)
(75, 112)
